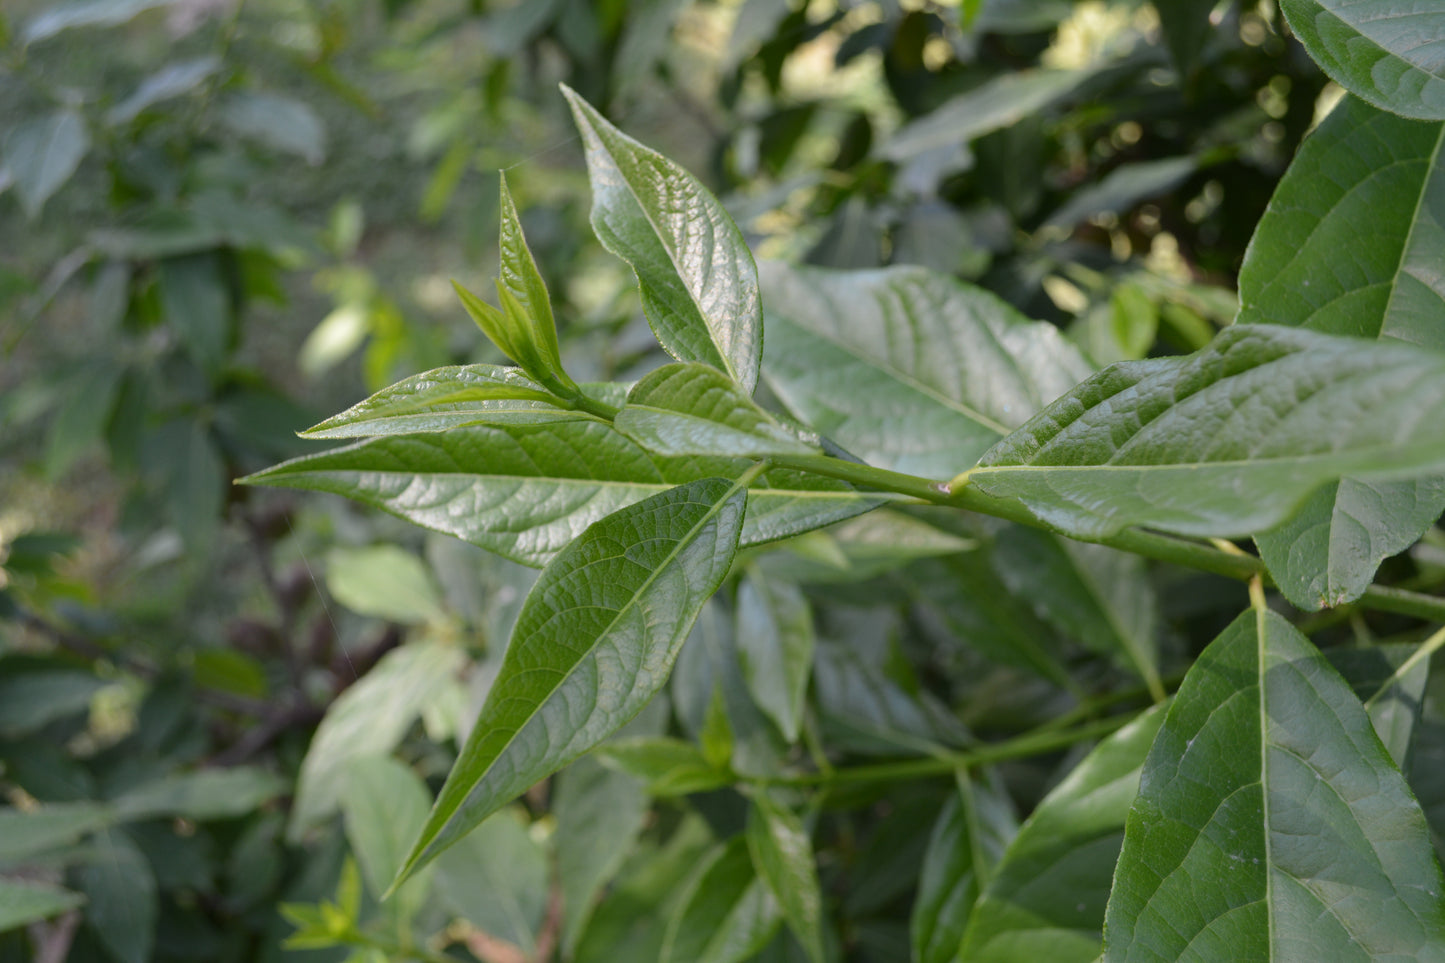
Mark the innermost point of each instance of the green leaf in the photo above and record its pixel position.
(1046, 899)
(80, 422)
(33, 697)
(783, 857)
(668, 766)
(1390, 680)
(384, 582)
(726, 914)
(1122, 188)
(599, 815)
(861, 548)
(86, 13)
(26, 834)
(967, 841)
(775, 646)
(594, 641)
(203, 795)
(1381, 50)
(41, 154)
(525, 491)
(120, 893)
(1187, 30)
(1271, 824)
(521, 280)
(276, 121)
(369, 718)
(692, 409)
(170, 81)
(26, 902)
(906, 368)
(183, 458)
(1099, 596)
(496, 879)
(1349, 245)
(697, 277)
(385, 804)
(1227, 441)
(454, 397)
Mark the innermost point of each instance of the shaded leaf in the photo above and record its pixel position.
(593, 643)
(33, 697)
(1122, 188)
(120, 893)
(1268, 782)
(496, 879)
(385, 804)
(782, 854)
(697, 277)
(667, 766)
(1187, 28)
(1227, 441)
(599, 814)
(41, 154)
(276, 121)
(775, 647)
(26, 834)
(26, 902)
(726, 914)
(173, 80)
(1390, 680)
(203, 795)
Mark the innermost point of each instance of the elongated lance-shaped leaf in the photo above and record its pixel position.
(775, 648)
(1271, 823)
(727, 913)
(1227, 441)
(1046, 898)
(692, 409)
(521, 280)
(783, 856)
(1386, 51)
(595, 640)
(1351, 244)
(907, 368)
(698, 281)
(526, 490)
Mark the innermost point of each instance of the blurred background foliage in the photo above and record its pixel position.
(226, 219)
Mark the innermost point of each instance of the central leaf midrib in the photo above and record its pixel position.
(1274, 461)
(688, 537)
(655, 486)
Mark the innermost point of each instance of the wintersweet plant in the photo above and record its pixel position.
(1256, 810)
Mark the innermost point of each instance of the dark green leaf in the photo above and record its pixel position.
(120, 892)
(1268, 782)
(26, 834)
(1227, 441)
(41, 154)
(1046, 898)
(26, 902)
(726, 914)
(35, 697)
(203, 795)
(1187, 29)
(1123, 188)
(599, 814)
(1390, 680)
(775, 647)
(594, 642)
(697, 277)
(783, 857)
(858, 355)
(197, 305)
(1381, 50)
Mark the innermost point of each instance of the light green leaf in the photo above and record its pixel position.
(277, 121)
(384, 582)
(1099, 596)
(454, 397)
(692, 409)
(775, 646)
(860, 355)
(698, 281)
(523, 282)
(385, 804)
(1046, 898)
(369, 718)
(968, 840)
(783, 857)
(599, 814)
(593, 643)
(861, 548)
(1270, 822)
(726, 914)
(496, 879)
(1350, 244)
(41, 154)
(26, 834)
(1385, 51)
(170, 81)
(86, 13)
(203, 795)
(525, 491)
(26, 902)
(120, 893)
(1227, 441)
(667, 766)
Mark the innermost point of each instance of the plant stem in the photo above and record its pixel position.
(1020, 747)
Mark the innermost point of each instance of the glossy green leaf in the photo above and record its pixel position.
(726, 914)
(1270, 822)
(1099, 596)
(594, 642)
(525, 491)
(1227, 441)
(120, 893)
(202, 795)
(369, 718)
(1046, 899)
(455, 397)
(384, 582)
(40, 156)
(906, 368)
(599, 815)
(1382, 50)
(526, 292)
(385, 804)
(698, 281)
(775, 646)
(495, 878)
(693, 409)
(26, 902)
(1350, 244)
(25, 834)
(782, 854)
(968, 840)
